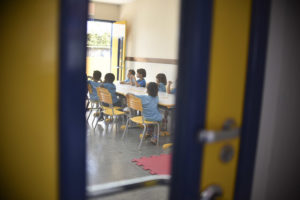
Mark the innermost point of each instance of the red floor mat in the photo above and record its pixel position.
(155, 164)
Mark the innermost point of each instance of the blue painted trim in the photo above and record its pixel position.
(72, 93)
(253, 98)
(196, 19)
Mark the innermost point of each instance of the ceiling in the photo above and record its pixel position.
(119, 2)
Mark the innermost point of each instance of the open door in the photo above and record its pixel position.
(118, 50)
(214, 62)
(221, 67)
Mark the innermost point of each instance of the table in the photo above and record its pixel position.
(164, 99)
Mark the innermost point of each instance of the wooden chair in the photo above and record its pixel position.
(106, 99)
(94, 104)
(135, 103)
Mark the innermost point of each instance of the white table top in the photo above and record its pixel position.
(164, 99)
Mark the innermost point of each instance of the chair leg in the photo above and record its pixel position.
(126, 128)
(94, 117)
(87, 105)
(115, 122)
(144, 131)
(92, 107)
(96, 120)
(93, 122)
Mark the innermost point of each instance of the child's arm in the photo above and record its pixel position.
(134, 82)
(131, 80)
(169, 87)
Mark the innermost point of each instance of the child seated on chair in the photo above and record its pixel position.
(161, 81)
(108, 84)
(141, 74)
(95, 82)
(130, 78)
(150, 109)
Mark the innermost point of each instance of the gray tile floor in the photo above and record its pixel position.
(109, 159)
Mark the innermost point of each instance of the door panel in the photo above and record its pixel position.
(118, 50)
(29, 104)
(226, 88)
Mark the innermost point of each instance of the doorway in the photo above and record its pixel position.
(190, 122)
(99, 46)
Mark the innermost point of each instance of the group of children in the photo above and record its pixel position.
(107, 83)
(149, 102)
(161, 81)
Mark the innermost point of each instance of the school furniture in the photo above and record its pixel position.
(135, 103)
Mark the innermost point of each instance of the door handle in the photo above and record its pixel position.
(211, 192)
(229, 131)
(209, 136)
(220, 150)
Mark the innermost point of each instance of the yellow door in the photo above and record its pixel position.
(227, 79)
(118, 50)
(29, 104)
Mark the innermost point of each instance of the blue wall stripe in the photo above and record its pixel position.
(72, 93)
(253, 97)
(196, 17)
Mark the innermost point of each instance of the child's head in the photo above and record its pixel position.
(130, 72)
(97, 75)
(141, 73)
(152, 89)
(161, 78)
(109, 78)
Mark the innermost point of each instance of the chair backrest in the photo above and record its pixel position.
(104, 95)
(134, 103)
(90, 88)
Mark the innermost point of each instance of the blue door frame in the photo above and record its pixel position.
(253, 97)
(72, 94)
(194, 53)
(195, 26)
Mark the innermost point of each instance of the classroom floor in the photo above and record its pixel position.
(109, 159)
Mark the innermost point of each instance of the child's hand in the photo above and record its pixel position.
(170, 82)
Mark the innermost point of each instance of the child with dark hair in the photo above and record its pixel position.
(150, 108)
(141, 74)
(161, 81)
(130, 77)
(108, 84)
(95, 82)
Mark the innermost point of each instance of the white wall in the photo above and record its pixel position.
(152, 32)
(106, 11)
(153, 69)
(152, 28)
(278, 155)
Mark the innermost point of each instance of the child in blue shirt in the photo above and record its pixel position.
(95, 82)
(108, 84)
(141, 74)
(161, 81)
(150, 108)
(130, 77)
(169, 90)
